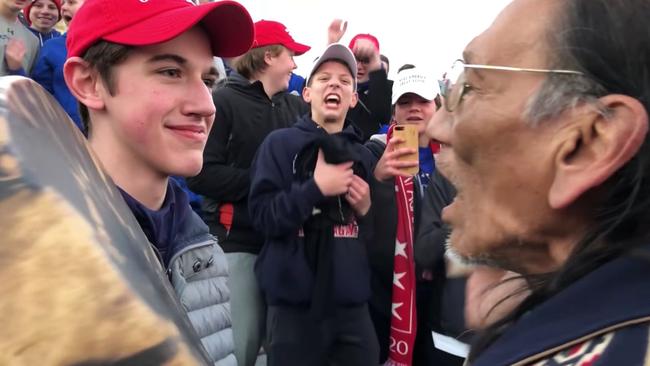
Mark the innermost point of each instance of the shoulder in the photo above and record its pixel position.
(281, 134)
(199, 250)
(54, 43)
(29, 37)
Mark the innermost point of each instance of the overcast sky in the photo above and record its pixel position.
(430, 34)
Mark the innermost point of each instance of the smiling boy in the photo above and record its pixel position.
(143, 73)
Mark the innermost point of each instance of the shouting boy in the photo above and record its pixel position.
(309, 191)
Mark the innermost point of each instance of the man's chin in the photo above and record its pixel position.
(466, 258)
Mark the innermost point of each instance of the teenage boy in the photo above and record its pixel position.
(374, 107)
(142, 72)
(308, 192)
(252, 103)
(48, 69)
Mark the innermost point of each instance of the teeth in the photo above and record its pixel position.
(332, 98)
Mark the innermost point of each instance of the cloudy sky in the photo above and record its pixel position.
(430, 34)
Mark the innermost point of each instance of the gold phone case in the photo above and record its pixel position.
(408, 133)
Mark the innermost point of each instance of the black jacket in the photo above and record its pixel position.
(447, 314)
(245, 116)
(281, 203)
(374, 106)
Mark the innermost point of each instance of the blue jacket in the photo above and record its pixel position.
(280, 204)
(48, 71)
(604, 317)
(43, 37)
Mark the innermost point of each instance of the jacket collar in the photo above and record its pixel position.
(614, 293)
(350, 131)
(255, 88)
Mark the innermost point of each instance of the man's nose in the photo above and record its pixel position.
(439, 126)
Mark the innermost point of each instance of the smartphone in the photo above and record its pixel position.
(408, 133)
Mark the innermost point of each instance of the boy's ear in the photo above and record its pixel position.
(84, 83)
(306, 94)
(268, 57)
(355, 99)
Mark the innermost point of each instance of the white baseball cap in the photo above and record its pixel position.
(336, 51)
(417, 82)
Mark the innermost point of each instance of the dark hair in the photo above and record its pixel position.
(253, 62)
(405, 67)
(385, 59)
(607, 41)
(103, 56)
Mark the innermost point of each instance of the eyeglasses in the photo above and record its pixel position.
(454, 84)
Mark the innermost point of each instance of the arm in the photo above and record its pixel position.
(218, 180)
(432, 234)
(379, 96)
(43, 72)
(278, 205)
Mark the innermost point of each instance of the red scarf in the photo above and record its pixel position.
(403, 324)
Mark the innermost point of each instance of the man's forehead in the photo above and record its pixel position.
(515, 38)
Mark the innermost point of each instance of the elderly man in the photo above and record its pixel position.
(544, 136)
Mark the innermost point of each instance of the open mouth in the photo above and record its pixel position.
(332, 100)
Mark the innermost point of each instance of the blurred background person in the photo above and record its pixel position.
(42, 16)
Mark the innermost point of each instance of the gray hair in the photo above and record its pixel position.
(561, 92)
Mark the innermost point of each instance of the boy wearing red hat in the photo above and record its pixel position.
(42, 16)
(142, 71)
(374, 107)
(251, 105)
(18, 46)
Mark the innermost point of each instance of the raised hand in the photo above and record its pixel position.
(365, 50)
(14, 54)
(336, 30)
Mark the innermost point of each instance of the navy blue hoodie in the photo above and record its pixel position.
(167, 227)
(280, 203)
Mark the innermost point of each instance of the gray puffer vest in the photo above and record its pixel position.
(199, 275)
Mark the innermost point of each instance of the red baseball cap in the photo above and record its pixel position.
(268, 32)
(26, 11)
(147, 22)
(370, 37)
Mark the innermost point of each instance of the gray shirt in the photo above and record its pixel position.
(15, 29)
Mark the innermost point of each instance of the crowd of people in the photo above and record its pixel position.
(515, 222)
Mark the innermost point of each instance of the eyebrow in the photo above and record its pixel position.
(168, 57)
(181, 61)
(469, 57)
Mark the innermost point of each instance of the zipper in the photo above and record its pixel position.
(341, 209)
(188, 248)
(582, 339)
